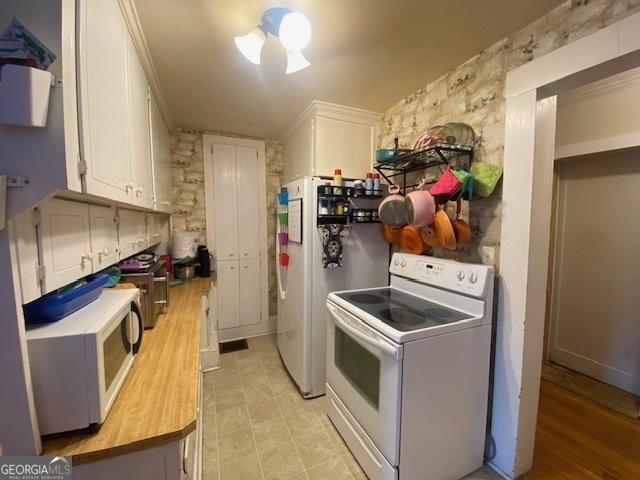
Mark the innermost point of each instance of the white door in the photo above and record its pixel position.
(248, 204)
(160, 147)
(249, 285)
(225, 202)
(228, 294)
(104, 110)
(132, 232)
(104, 237)
(64, 242)
(595, 324)
(141, 168)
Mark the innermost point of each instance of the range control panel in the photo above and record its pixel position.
(468, 278)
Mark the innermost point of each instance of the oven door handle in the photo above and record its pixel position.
(345, 321)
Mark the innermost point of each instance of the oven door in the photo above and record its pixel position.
(364, 369)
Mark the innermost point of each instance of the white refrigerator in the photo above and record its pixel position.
(303, 286)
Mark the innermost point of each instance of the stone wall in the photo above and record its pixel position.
(474, 93)
(189, 213)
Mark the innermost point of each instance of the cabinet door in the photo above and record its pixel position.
(104, 237)
(132, 232)
(228, 296)
(248, 205)
(250, 286)
(141, 168)
(343, 144)
(154, 229)
(225, 202)
(104, 109)
(160, 148)
(64, 242)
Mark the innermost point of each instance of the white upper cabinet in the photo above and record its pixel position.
(161, 146)
(326, 137)
(64, 243)
(132, 232)
(248, 205)
(104, 236)
(225, 193)
(141, 168)
(104, 105)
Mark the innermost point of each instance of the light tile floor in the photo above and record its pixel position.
(257, 426)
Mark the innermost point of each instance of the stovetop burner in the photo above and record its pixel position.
(402, 316)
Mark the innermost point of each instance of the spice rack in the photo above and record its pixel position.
(336, 206)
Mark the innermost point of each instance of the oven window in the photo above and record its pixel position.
(116, 347)
(360, 367)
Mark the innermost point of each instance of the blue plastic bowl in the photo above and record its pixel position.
(54, 306)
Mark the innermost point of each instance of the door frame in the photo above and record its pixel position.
(531, 93)
(266, 324)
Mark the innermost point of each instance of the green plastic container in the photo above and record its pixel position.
(283, 217)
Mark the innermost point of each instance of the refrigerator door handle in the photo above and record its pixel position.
(281, 290)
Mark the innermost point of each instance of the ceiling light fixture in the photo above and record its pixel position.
(293, 29)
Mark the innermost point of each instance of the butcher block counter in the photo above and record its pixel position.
(158, 400)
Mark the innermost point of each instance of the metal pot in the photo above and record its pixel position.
(184, 272)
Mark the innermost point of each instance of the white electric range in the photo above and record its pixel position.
(408, 369)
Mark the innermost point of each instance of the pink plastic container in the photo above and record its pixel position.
(283, 239)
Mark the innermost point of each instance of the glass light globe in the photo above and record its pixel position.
(250, 45)
(295, 31)
(296, 61)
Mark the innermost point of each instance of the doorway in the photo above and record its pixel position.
(593, 319)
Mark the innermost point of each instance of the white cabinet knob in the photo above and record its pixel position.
(86, 257)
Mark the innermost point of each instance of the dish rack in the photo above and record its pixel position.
(438, 155)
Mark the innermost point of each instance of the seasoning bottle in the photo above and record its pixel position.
(327, 188)
(337, 180)
(376, 183)
(368, 184)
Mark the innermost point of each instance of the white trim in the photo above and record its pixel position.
(332, 110)
(526, 212)
(137, 35)
(207, 142)
(603, 87)
(598, 145)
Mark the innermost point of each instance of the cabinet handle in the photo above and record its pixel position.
(102, 253)
(138, 191)
(245, 254)
(231, 254)
(246, 266)
(232, 268)
(86, 257)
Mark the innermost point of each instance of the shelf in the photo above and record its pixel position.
(422, 158)
(378, 196)
(328, 219)
(334, 191)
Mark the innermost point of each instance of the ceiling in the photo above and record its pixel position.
(364, 53)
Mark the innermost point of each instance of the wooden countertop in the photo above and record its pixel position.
(158, 400)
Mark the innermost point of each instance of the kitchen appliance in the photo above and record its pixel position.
(153, 283)
(79, 363)
(184, 271)
(408, 369)
(304, 283)
(204, 261)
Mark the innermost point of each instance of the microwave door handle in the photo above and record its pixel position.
(345, 322)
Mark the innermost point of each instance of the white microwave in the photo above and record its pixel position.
(79, 363)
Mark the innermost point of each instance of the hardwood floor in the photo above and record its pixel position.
(579, 439)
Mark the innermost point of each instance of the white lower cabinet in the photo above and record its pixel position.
(209, 350)
(236, 277)
(249, 285)
(132, 232)
(64, 243)
(228, 294)
(104, 236)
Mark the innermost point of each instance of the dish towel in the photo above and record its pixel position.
(331, 245)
